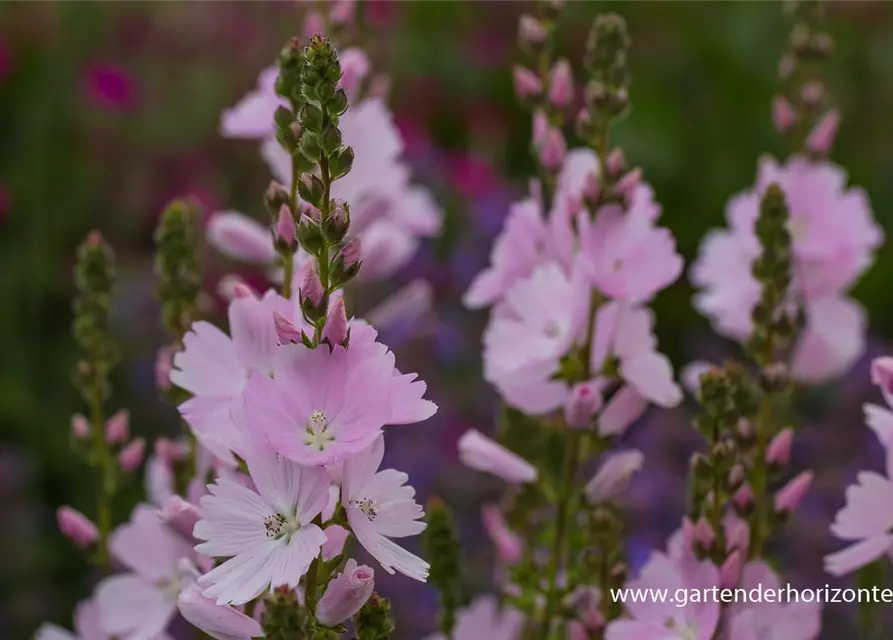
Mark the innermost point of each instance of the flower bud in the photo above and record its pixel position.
(628, 184)
(527, 84)
(531, 31)
(75, 526)
(812, 93)
(551, 149)
(704, 534)
(624, 408)
(737, 533)
(275, 196)
(614, 475)
(338, 222)
(483, 454)
(561, 84)
(783, 115)
(336, 536)
(616, 163)
(311, 288)
(286, 330)
(584, 401)
(169, 451)
(791, 495)
(335, 330)
(822, 136)
(79, 426)
(730, 571)
(355, 66)
(117, 428)
(346, 594)
(779, 450)
(286, 230)
(507, 543)
(131, 456)
(743, 498)
(164, 360)
(350, 252)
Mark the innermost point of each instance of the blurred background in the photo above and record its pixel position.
(109, 110)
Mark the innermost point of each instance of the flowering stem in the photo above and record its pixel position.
(289, 256)
(103, 493)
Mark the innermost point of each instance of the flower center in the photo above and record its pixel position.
(368, 508)
(317, 434)
(278, 526)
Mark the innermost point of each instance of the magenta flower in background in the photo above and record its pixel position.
(86, 626)
(110, 87)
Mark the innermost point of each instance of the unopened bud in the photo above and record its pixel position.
(584, 401)
(286, 230)
(616, 163)
(286, 330)
(791, 495)
(336, 331)
(131, 456)
(783, 114)
(614, 475)
(779, 450)
(561, 84)
(730, 571)
(743, 498)
(350, 252)
(551, 149)
(338, 222)
(275, 196)
(507, 543)
(117, 428)
(80, 427)
(311, 289)
(822, 137)
(531, 31)
(704, 533)
(527, 83)
(628, 184)
(77, 527)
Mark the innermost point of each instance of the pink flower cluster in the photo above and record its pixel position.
(834, 238)
(543, 274)
(388, 213)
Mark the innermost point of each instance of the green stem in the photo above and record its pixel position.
(288, 258)
(761, 480)
(559, 544)
(103, 495)
(323, 258)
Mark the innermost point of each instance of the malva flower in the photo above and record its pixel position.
(142, 602)
(483, 454)
(485, 620)
(214, 367)
(345, 594)
(866, 521)
(268, 534)
(86, 626)
(222, 622)
(379, 507)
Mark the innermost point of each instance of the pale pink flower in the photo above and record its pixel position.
(625, 255)
(834, 239)
(534, 326)
(507, 543)
(380, 506)
(561, 84)
(771, 620)
(526, 82)
(584, 401)
(822, 136)
(323, 406)
(483, 454)
(484, 620)
(222, 622)
(238, 236)
(346, 594)
(625, 407)
(551, 148)
(86, 626)
(77, 527)
(336, 536)
(252, 117)
(783, 114)
(141, 602)
(80, 427)
(214, 367)
(117, 428)
(791, 495)
(181, 516)
(692, 373)
(355, 66)
(268, 534)
(627, 332)
(131, 456)
(779, 450)
(530, 30)
(866, 520)
(614, 475)
(651, 619)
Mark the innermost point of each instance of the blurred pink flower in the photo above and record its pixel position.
(110, 87)
(484, 620)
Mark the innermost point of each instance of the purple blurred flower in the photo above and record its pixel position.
(109, 86)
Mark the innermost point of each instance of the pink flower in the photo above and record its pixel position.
(240, 237)
(783, 115)
(252, 117)
(222, 622)
(117, 428)
(379, 507)
(613, 476)
(86, 625)
(268, 534)
(131, 456)
(143, 601)
(822, 136)
(531, 30)
(355, 66)
(80, 427)
(585, 400)
(651, 619)
(866, 520)
(627, 333)
(561, 84)
(537, 322)
(791, 495)
(527, 83)
(484, 620)
(346, 594)
(285, 228)
(508, 544)
(625, 407)
(77, 527)
(180, 516)
(625, 255)
(834, 238)
(771, 620)
(483, 454)
(214, 367)
(336, 536)
(110, 87)
(779, 451)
